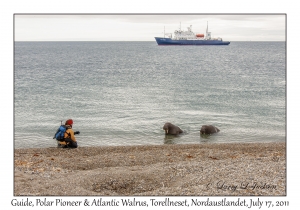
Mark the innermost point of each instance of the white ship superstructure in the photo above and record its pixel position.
(190, 35)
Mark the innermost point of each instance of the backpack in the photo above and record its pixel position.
(59, 135)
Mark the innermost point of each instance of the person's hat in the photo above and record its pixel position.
(69, 122)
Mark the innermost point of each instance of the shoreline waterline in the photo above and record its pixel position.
(150, 146)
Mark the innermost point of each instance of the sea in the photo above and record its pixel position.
(122, 93)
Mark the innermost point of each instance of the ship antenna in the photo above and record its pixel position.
(207, 31)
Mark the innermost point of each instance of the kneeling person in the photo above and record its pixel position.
(69, 136)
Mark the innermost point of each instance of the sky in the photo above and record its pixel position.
(144, 27)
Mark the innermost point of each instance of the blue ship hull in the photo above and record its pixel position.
(169, 41)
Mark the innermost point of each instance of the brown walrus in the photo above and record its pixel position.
(208, 129)
(171, 129)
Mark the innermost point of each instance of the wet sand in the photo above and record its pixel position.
(199, 169)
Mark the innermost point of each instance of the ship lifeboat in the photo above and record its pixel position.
(199, 35)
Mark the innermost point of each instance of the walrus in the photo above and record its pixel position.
(208, 129)
(171, 129)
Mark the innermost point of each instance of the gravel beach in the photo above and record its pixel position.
(193, 169)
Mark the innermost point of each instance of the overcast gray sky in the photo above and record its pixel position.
(142, 27)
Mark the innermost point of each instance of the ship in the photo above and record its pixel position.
(189, 38)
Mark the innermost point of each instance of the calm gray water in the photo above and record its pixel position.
(122, 93)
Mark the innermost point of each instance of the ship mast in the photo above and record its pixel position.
(208, 34)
